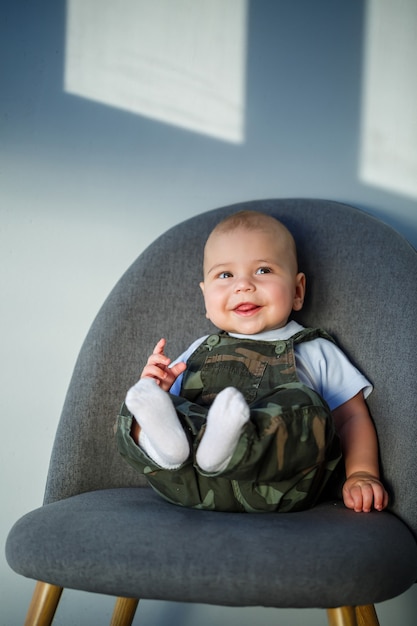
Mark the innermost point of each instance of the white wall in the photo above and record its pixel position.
(84, 187)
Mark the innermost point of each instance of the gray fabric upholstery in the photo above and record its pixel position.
(361, 288)
(145, 547)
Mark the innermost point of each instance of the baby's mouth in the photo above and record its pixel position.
(246, 308)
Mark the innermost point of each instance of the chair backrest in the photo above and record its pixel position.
(361, 281)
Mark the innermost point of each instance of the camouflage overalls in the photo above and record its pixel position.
(286, 451)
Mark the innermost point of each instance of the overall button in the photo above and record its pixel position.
(213, 340)
(280, 347)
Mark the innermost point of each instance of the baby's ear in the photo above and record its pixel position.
(202, 289)
(300, 290)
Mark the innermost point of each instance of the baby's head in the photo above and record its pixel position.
(251, 279)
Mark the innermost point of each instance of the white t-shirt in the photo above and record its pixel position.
(320, 365)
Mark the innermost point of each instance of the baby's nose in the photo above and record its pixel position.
(244, 284)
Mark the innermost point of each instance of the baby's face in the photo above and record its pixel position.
(251, 283)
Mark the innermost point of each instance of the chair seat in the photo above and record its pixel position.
(103, 541)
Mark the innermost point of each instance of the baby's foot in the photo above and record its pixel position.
(162, 435)
(225, 420)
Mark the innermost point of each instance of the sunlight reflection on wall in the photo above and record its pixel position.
(389, 108)
(177, 61)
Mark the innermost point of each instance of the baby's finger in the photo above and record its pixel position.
(178, 369)
(154, 371)
(347, 499)
(367, 497)
(159, 359)
(356, 494)
(159, 348)
(380, 497)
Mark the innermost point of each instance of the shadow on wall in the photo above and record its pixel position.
(158, 60)
(225, 102)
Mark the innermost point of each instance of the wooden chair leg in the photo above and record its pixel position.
(44, 603)
(366, 615)
(342, 616)
(124, 611)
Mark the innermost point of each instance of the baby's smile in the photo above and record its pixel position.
(246, 308)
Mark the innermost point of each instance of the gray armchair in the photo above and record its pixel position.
(101, 529)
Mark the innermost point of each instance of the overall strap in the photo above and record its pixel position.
(307, 334)
(223, 338)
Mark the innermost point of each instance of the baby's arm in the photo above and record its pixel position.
(157, 367)
(362, 488)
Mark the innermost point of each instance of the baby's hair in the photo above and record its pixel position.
(255, 221)
(250, 220)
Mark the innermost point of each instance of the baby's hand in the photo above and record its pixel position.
(362, 490)
(157, 367)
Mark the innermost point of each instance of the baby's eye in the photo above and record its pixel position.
(263, 270)
(225, 275)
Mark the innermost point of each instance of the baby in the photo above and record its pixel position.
(256, 416)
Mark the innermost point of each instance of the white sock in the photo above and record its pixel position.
(225, 420)
(162, 436)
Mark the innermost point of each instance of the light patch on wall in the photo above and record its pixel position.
(389, 109)
(182, 62)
